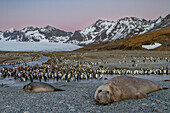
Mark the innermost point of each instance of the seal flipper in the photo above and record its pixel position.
(140, 95)
(162, 88)
(58, 89)
(166, 80)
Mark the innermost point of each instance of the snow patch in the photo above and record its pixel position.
(1, 35)
(87, 30)
(155, 45)
(86, 42)
(35, 34)
(159, 20)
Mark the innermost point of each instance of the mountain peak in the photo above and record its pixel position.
(167, 17)
(99, 20)
(49, 27)
(29, 29)
(11, 30)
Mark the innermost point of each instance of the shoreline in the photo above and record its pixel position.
(10, 82)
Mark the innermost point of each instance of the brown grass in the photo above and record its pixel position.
(135, 42)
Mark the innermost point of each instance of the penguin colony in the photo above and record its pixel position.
(59, 68)
(18, 61)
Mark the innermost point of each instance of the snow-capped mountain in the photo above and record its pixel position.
(31, 34)
(103, 30)
(165, 23)
(100, 31)
(1, 35)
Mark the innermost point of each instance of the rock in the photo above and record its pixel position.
(1, 92)
(61, 102)
(72, 110)
(26, 112)
(153, 104)
(87, 109)
(157, 101)
(165, 107)
(144, 104)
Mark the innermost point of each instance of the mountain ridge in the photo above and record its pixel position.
(135, 43)
(35, 34)
(103, 30)
(99, 31)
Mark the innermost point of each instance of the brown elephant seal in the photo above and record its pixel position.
(124, 87)
(36, 87)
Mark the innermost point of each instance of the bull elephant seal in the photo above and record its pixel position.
(35, 87)
(124, 87)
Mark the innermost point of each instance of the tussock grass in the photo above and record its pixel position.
(135, 42)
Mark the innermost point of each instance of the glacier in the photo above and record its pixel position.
(36, 46)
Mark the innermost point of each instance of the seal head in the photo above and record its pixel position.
(106, 94)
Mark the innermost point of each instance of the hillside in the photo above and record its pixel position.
(135, 42)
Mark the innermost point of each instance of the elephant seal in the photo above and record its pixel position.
(36, 87)
(124, 87)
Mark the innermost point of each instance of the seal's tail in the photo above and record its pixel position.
(166, 80)
(58, 89)
(162, 88)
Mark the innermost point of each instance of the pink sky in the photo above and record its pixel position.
(71, 15)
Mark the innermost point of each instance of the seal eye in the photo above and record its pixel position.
(107, 92)
(100, 91)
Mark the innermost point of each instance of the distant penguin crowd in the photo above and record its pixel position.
(20, 61)
(58, 69)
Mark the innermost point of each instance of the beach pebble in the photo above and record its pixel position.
(76, 98)
(144, 104)
(26, 112)
(165, 107)
(72, 110)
